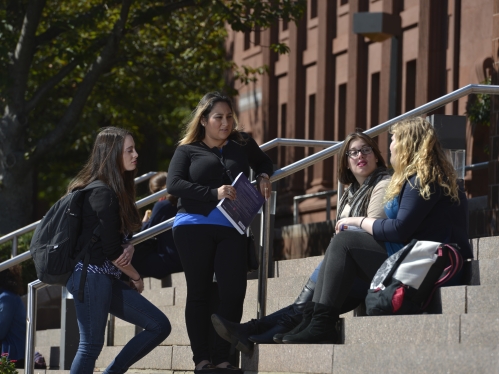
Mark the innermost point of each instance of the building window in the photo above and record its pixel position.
(313, 9)
(342, 111)
(284, 24)
(284, 111)
(311, 135)
(257, 35)
(343, 2)
(247, 40)
(374, 120)
(410, 85)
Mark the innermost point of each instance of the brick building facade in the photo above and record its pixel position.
(334, 81)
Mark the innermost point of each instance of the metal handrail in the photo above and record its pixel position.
(478, 166)
(297, 142)
(32, 226)
(299, 198)
(375, 131)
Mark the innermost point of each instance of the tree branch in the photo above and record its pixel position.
(22, 58)
(63, 26)
(102, 63)
(57, 78)
(153, 12)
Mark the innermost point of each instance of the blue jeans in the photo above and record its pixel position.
(105, 294)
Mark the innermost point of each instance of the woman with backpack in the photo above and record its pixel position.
(423, 201)
(110, 205)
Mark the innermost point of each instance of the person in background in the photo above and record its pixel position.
(111, 206)
(211, 154)
(423, 202)
(12, 316)
(158, 257)
(363, 169)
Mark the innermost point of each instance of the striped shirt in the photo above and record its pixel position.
(106, 268)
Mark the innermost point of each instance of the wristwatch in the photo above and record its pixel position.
(263, 175)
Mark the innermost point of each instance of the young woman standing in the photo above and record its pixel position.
(111, 205)
(210, 155)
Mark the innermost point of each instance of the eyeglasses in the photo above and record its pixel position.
(354, 153)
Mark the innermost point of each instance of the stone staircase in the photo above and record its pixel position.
(462, 337)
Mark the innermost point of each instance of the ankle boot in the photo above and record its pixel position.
(236, 333)
(307, 317)
(268, 336)
(321, 329)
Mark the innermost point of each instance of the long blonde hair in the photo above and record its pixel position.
(418, 151)
(194, 130)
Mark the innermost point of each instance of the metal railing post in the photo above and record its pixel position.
(328, 208)
(263, 269)
(295, 211)
(29, 355)
(14, 246)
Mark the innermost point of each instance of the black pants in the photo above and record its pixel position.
(206, 250)
(350, 254)
(150, 260)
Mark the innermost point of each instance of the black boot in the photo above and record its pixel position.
(305, 296)
(306, 318)
(321, 329)
(236, 333)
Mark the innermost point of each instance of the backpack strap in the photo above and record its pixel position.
(86, 249)
(86, 261)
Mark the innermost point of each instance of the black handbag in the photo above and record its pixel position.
(252, 259)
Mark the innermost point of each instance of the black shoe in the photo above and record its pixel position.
(235, 333)
(307, 317)
(268, 336)
(229, 369)
(321, 329)
(207, 369)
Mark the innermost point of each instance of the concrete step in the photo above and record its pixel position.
(423, 329)
(486, 248)
(293, 268)
(373, 358)
(49, 337)
(163, 359)
(485, 272)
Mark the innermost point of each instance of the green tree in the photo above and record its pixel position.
(69, 67)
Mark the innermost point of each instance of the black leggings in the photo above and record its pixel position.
(350, 254)
(204, 250)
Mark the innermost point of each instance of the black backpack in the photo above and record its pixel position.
(53, 246)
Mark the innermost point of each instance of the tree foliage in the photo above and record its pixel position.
(69, 67)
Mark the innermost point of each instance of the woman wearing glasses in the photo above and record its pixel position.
(424, 202)
(362, 167)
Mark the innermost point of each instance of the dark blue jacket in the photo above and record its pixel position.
(437, 219)
(162, 211)
(12, 325)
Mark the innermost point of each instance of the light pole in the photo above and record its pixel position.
(379, 27)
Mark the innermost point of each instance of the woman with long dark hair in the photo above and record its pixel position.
(423, 201)
(111, 205)
(211, 154)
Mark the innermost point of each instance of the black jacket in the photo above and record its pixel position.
(101, 206)
(195, 171)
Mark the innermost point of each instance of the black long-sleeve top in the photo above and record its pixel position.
(196, 173)
(100, 205)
